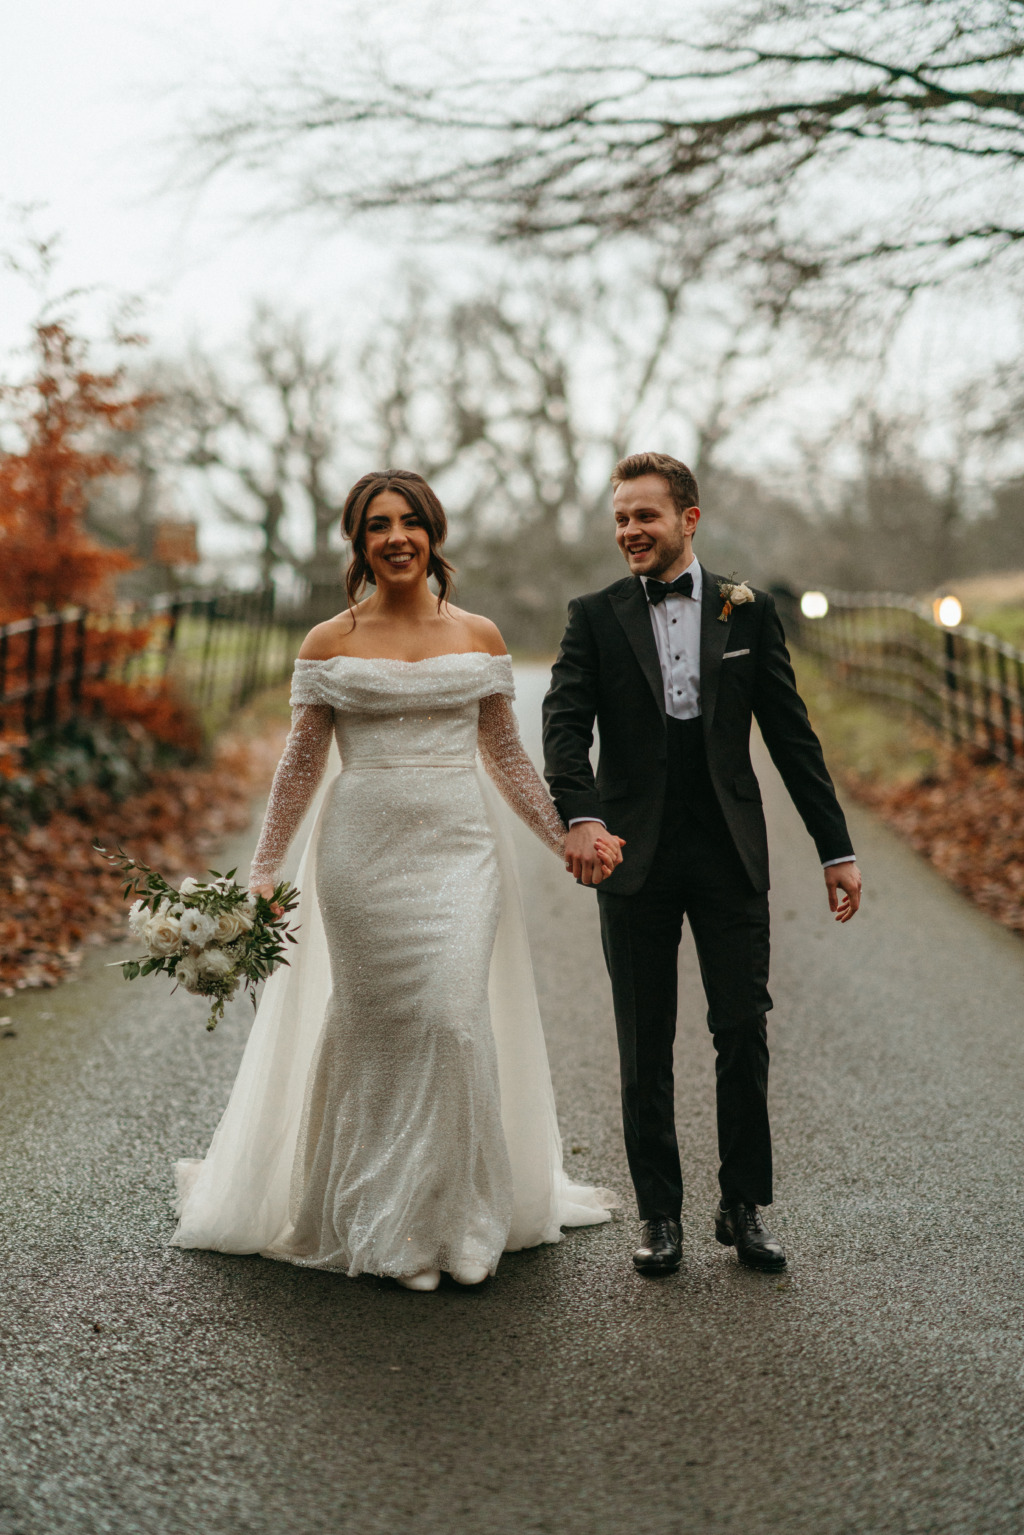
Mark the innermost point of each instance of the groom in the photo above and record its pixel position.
(672, 662)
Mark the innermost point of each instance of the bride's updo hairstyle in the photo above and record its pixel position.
(422, 500)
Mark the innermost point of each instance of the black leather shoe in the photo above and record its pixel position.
(743, 1227)
(661, 1247)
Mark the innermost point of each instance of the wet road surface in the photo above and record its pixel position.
(877, 1387)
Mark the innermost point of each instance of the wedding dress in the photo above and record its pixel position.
(401, 1118)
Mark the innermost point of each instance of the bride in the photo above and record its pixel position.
(393, 1112)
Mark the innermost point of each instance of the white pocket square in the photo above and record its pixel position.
(730, 654)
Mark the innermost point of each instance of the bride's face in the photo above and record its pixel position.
(396, 542)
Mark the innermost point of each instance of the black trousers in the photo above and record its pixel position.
(696, 873)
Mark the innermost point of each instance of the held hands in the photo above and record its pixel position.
(845, 878)
(266, 891)
(592, 852)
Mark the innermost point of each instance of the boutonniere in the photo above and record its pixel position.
(733, 593)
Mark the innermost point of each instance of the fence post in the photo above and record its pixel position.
(951, 683)
(56, 657)
(1009, 745)
(254, 629)
(4, 642)
(78, 661)
(173, 616)
(209, 608)
(31, 650)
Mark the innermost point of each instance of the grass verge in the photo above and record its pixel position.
(961, 812)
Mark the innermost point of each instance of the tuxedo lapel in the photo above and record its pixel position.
(714, 637)
(631, 609)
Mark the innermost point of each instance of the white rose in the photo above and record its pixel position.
(162, 934)
(740, 593)
(197, 928)
(189, 886)
(187, 973)
(231, 925)
(138, 916)
(214, 964)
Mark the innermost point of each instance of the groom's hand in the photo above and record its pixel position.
(844, 878)
(591, 852)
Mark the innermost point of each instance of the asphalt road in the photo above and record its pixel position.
(878, 1387)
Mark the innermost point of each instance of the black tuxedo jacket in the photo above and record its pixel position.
(608, 670)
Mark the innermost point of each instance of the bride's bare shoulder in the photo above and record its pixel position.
(328, 639)
(484, 634)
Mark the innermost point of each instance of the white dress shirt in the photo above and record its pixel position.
(676, 625)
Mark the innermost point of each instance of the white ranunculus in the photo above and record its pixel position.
(162, 934)
(189, 886)
(231, 925)
(138, 916)
(214, 964)
(187, 973)
(197, 928)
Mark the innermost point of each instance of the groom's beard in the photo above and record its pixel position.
(664, 559)
(665, 565)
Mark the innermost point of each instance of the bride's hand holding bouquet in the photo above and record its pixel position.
(212, 937)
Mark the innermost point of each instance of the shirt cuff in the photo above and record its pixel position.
(579, 820)
(847, 858)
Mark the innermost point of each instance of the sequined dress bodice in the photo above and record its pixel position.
(436, 736)
(385, 712)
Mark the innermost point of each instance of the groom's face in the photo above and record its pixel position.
(652, 533)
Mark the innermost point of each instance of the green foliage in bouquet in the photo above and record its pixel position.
(211, 937)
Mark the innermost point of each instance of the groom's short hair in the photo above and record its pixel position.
(681, 483)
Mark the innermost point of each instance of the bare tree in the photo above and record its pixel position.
(915, 512)
(518, 402)
(267, 437)
(719, 136)
(515, 402)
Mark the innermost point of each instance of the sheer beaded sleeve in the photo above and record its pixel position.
(296, 780)
(514, 774)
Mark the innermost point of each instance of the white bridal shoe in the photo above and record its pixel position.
(426, 1279)
(470, 1273)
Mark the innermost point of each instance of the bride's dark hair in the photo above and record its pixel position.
(422, 500)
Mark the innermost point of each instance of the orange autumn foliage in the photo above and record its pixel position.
(57, 894)
(155, 706)
(68, 416)
(967, 819)
(48, 560)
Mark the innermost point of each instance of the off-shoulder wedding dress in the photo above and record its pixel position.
(393, 1111)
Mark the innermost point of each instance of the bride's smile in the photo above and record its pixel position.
(397, 544)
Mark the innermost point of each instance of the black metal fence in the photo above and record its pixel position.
(219, 648)
(966, 685)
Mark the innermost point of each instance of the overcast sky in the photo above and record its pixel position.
(92, 91)
(90, 95)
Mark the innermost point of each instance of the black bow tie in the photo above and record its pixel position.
(657, 591)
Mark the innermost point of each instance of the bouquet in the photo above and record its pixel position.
(211, 937)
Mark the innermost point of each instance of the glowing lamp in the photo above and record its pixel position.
(948, 612)
(814, 604)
